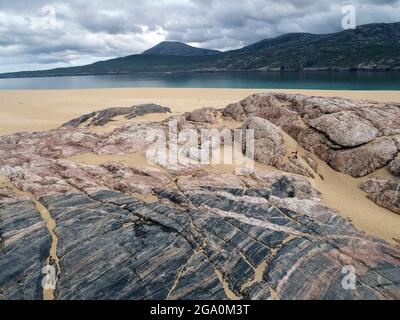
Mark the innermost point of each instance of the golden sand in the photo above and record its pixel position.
(38, 110)
(341, 192)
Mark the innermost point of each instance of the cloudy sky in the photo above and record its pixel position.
(41, 34)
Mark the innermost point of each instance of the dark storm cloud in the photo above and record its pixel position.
(86, 31)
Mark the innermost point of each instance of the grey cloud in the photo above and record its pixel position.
(89, 30)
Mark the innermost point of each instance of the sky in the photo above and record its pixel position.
(43, 34)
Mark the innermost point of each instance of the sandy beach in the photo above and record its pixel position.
(39, 110)
(22, 111)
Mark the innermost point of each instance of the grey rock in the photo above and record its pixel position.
(394, 166)
(385, 193)
(101, 118)
(268, 142)
(361, 161)
(204, 115)
(355, 137)
(24, 248)
(345, 128)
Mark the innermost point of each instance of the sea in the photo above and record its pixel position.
(233, 80)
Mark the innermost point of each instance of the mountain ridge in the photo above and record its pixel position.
(372, 47)
(175, 48)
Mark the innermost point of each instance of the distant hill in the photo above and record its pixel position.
(168, 48)
(369, 47)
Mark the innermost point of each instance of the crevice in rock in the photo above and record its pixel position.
(52, 260)
(225, 284)
(181, 271)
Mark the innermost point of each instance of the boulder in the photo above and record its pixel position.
(385, 193)
(268, 141)
(361, 161)
(394, 166)
(204, 115)
(345, 128)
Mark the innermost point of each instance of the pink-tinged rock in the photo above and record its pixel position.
(268, 141)
(210, 179)
(345, 128)
(361, 161)
(300, 186)
(347, 134)
(394, 166)
(204, 115)
(385, 193)
(8, 195)
(293, 165)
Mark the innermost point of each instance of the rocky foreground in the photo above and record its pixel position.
(114, 231)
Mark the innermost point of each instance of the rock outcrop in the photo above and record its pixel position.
(201, 242)
(354, 137)
(205, 115)
(346, 129)
(101, 118)
(128, 232)
(24, 248)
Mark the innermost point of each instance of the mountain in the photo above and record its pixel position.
(368, 47)
(373, 46)
(168, 48)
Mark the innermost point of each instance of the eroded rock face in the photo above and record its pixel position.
(353, 136)
(265, 144)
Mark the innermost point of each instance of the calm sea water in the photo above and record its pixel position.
(256, 80)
